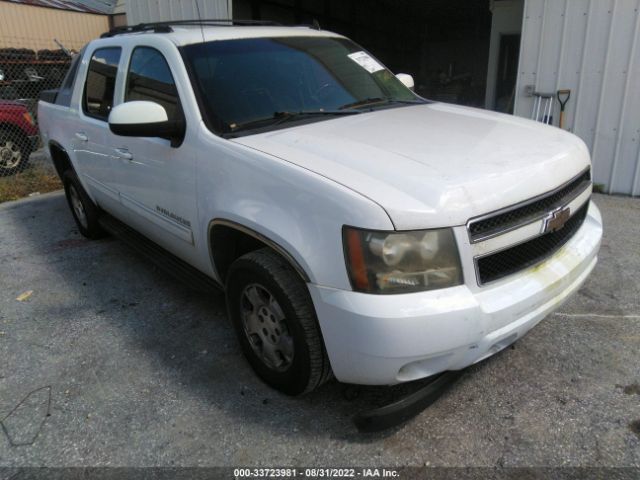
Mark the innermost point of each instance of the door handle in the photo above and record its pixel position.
(124, 154)
(82, 136)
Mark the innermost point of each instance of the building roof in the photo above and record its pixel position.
(103, 7)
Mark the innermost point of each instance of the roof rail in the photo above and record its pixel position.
(165, 27)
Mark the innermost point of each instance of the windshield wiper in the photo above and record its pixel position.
(378, 100)
(281, 117)
(365, 102)
(408, 102)
(286, 116)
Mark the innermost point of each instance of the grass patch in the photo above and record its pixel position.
(33, 180)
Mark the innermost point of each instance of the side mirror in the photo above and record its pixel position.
(407, 80)
(145, 119)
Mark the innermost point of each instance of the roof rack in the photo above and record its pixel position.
(165, 27)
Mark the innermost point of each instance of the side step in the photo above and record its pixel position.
(405, 409)
(165, 260)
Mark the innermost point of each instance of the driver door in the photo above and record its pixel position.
(156, 180)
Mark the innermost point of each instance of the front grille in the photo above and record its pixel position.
(498, 265)
(526, 213)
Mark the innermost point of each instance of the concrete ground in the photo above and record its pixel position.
(111, 362)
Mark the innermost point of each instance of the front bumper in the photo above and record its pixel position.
(384, 340)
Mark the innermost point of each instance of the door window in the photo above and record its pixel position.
(149, 78)
(63, 97)
(101, 82)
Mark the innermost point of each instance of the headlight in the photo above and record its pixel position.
(401, 262)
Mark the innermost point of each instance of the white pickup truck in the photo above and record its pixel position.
(357, 229)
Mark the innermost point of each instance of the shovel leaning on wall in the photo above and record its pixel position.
(563, 98)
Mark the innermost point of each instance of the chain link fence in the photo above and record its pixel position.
(36, 41)
(24, 73)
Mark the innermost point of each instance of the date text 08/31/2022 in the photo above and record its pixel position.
(315, 473)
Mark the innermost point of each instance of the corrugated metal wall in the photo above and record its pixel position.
(26, 26)
(139, 11)
(590, 47)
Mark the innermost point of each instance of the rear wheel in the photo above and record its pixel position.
(84, 211)
(276, 324)
(14, 152)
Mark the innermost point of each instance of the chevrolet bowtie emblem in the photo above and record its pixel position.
(556, 220)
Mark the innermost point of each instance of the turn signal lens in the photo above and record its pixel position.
(27, 116)
(357, 266)
(402, 262)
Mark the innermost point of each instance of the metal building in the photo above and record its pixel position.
(139, 11)
(34, 25)
(590, 47)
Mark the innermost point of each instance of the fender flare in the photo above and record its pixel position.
(258, 236)
(57, 145)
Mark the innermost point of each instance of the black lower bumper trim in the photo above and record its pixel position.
(406, 408)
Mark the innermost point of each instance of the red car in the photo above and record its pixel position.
(18, 137)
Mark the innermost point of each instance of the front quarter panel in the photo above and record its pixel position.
(299, 210)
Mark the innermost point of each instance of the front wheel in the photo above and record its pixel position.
(14, 152)
(276, 324)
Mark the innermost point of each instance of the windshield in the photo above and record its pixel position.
(254, 85)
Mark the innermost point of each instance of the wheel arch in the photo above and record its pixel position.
(60, 158)
(229, 240)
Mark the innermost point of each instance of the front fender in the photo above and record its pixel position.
(261, 238)
(294, 208)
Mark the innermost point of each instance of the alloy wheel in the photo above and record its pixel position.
(266, 328)
(78, 207)
(10, 154)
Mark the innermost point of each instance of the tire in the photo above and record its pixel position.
(281, 340)
(84, 211)
(14, 152)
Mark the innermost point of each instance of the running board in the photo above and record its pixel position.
(405, 409)
(165, 260)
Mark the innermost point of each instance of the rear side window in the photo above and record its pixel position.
(101, 82)
(149, 78)
(66, 88)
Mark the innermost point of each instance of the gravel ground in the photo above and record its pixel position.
(110, 362)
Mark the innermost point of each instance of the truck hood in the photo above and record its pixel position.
(432, 165)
